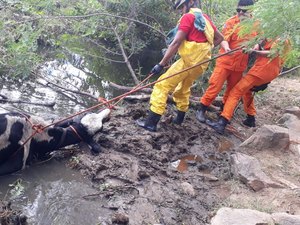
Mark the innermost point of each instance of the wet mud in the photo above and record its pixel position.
(167, 177)
(9, 216)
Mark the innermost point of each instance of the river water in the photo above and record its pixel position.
(51, 193)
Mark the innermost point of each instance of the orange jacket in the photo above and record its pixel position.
(238, 60)
(267, 68)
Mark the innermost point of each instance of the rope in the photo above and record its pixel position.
(38, 128)
(139, 87)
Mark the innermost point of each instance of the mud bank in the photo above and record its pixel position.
(181, 174)
(172, 176)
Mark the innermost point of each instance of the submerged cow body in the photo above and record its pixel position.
(16, 128)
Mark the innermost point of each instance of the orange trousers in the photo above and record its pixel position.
(216, 82)
(242, 88)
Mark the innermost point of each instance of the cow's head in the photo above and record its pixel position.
(90, 124)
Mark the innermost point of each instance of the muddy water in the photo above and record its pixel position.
(50, 193)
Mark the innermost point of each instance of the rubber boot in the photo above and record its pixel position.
(221, 107)
(179, 118)
(150, 123)
(200, 114)
(218, 126)
(249, 121)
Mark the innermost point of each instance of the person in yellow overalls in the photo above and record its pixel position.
(194, 41)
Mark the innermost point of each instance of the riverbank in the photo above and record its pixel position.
(183, 174)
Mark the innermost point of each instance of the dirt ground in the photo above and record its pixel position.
(180, 175)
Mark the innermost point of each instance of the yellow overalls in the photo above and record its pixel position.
(191, 53)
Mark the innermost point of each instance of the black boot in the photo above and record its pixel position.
(218, 126)
(200, 114)
(179, 118)
(150, 122)
(221, 107)
(249, 121)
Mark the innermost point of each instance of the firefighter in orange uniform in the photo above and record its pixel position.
(265, 69)
(230, 67)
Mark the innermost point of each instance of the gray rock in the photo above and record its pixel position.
(268, 137)
(286, 219)
(188, 188)
(228, 216)
(290, 121)
(295, 110)
(247, 169)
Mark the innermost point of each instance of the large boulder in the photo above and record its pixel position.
(286, 219)
(247, 169)
(229, 216)
(271, 137)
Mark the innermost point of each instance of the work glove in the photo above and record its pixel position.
(259, 88)
(157, 69)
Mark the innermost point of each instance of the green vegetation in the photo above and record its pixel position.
(34, 31)
(17, 188)
(278, 19)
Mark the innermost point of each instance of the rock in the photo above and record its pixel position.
(248, 170)
(286, 183)
(120, 218)
(295, 110)
(209, 177)
(293, 123)
(143, 175)
(188, 188)
(268, 137)
(295, 148)
(286, 219)
(228, 216)
(290, 121)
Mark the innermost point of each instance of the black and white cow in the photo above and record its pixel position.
(15, 129)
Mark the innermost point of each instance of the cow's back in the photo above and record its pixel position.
(11, 132)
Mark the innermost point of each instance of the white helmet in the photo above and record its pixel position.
(179, 3)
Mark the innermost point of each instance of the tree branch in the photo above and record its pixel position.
(136, 81)
(288, 71)
(86, 16)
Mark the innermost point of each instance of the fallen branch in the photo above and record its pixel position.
(68, 90)
(3, 96)
(125, 88)
(142, 97)
(50, 104)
